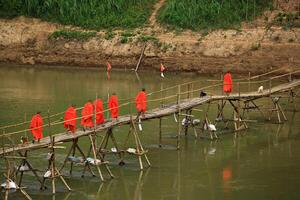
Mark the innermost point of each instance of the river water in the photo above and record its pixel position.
(262, 163)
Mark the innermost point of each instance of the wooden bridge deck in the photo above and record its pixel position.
(155, 113)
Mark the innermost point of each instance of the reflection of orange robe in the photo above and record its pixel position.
(36, 127)
(113, 106)
(69, 115)
(99, 111)
(87, 115)
(227, 84)
(141, 101)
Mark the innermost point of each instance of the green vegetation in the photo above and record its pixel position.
(145, 38)
(126, 37)
(288, 20)
(109, 35)
(90, 14)
(210, 14)
(72, 35)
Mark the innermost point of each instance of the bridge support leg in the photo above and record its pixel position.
(103, 146)
(188, 121)
(239, 123)
(96, 155)
(292, 97)
(220, 115)
(160, 133)
(52, 172)
(72, 150)
(25, 162)
(251, 105)
(277, 108)
(139, 150)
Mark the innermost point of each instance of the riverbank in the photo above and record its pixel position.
(256, 47)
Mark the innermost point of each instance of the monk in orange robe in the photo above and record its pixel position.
(36, 126)
(113, 106)
(70, 119)
(87, 115)
(98, 104)
(141, 102)
(227, 84)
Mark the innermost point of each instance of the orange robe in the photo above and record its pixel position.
(141, 101)
(113, 106)
(87, 115)
(36, 127)
(227, 84)
(69, 115)
(99, 111)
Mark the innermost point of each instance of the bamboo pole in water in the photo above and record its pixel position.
(178, 122)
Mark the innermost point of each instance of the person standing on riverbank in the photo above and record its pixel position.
(113, 106)
(87, 115)
(70, 119)
(227, 83)
(98, 104)
(141, 102)
(36, 126)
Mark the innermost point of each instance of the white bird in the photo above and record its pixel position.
(196, 122)
(185, 122)
(11, 185)
(47, 174)
(131, 150)
(114, 149)
(24, 168)
(212, 151)
(93, 161)
(140, 125)
(260, 89)
(212, 127)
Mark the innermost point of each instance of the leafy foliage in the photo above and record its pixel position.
(91, 14)
(210, 14)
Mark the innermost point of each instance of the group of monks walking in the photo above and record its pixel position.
(92, 114)
(95, 108)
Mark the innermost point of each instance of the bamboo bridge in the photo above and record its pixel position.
(182, 104)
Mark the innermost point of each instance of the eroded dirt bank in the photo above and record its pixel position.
(253, 48)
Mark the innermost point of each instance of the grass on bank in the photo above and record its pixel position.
(90, 14)
(72, 35)
(288, 20)
(210, 14)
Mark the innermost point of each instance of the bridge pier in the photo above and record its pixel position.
(278, 109)
(139, 150)
(52, 172)
(74, 147)
(96, 155)
(103, 146)
(24, 163)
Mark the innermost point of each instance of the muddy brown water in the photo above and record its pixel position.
(263, 163)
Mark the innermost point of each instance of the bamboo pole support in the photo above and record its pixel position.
(249, 81)
(160, 133)
(95, 156)
(178, 122)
